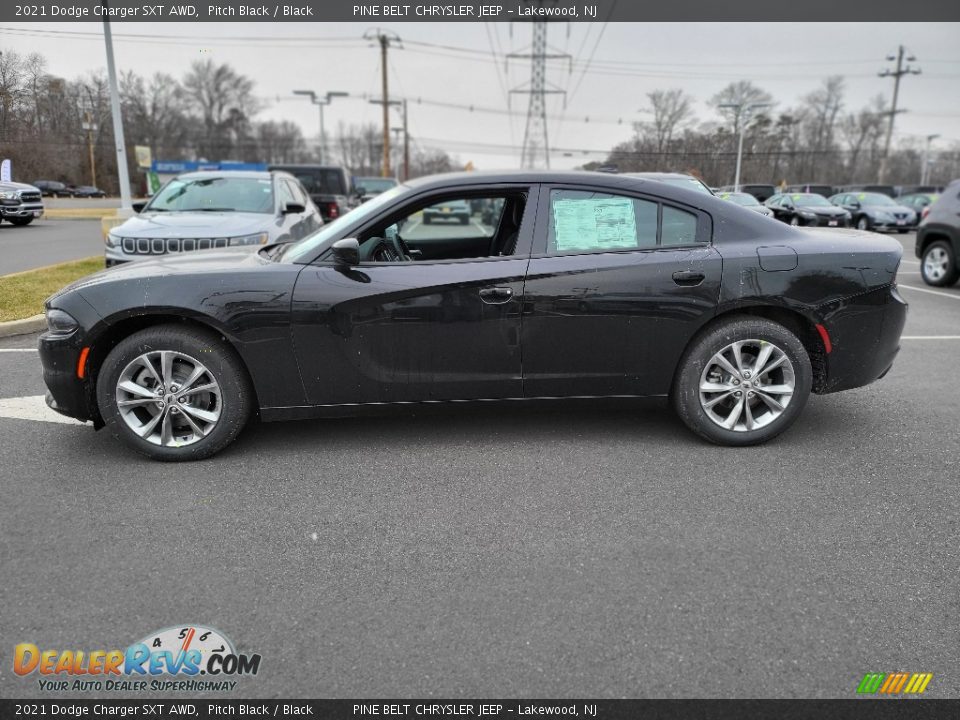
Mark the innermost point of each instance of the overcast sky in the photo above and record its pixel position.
(623, 62)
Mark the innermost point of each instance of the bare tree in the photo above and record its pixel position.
(742, 92)
(671, 109)
(225, 102)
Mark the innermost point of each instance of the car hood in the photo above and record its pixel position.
(821, 210)
(888, 209)
(18, 186)
(196, 262)
(193, 224)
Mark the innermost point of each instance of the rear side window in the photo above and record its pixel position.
(594, 222)
(325, 181)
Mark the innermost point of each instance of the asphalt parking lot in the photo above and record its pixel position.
(567, 551)
(45, 242)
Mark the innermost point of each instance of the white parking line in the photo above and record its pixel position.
(3, 350)
(932, 292)
(32, 407)
(930, 337)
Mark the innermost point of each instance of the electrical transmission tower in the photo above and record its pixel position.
(536, 146)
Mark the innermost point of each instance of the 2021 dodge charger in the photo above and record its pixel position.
(586, 285)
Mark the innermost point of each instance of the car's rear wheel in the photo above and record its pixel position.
(742, 382)
(939, 266)
(174, 393)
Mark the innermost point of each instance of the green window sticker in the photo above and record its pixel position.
(594, 224)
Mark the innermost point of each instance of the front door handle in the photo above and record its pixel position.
(688, 278)
(496, 295)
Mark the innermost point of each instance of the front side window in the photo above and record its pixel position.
(585, 222)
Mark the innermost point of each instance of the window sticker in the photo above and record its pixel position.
(594, 224)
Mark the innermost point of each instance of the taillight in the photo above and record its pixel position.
(333, 210)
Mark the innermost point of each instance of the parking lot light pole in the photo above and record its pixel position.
(744, 112)
(126, 206)
(321, 102)
(925, 172)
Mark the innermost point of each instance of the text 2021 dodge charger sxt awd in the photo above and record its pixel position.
(581, 285)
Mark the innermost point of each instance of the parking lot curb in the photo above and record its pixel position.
(78, 213)
(23, 327)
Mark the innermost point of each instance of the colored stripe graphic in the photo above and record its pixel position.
(894, 683)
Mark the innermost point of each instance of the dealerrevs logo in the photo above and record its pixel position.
(187, 658)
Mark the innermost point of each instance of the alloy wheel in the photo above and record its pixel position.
(936, 263)
(168, 398)
(747, 385)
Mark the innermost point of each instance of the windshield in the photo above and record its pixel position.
(875, 199)
(320, 181)
(811, 200)
(221, 194)
(309, 245)
(375, 185)
(742, 199)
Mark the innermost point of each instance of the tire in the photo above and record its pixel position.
(902, 232)
(427, 220)
(20, 221)
(464, 221)
(703, 410)
(938, 266)
(217, 413)
(863, 223)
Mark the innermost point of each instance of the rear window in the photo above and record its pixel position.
(321, 181)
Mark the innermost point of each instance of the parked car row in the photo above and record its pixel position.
(55, 188)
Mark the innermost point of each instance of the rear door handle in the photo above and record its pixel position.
(496, 295)
(688, 278)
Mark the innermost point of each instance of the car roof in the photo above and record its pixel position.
(253, 174)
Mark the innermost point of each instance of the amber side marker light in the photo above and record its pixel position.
(82, 363)
(825, 337)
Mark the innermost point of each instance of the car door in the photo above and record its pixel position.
(440, 329)
(617, 285)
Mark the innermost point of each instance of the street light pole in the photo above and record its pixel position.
(925, 173)
(320, 102)
(743, 115)
(126, 206)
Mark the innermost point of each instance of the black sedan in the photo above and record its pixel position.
(87, 191)
(587, 285)
(807, 209)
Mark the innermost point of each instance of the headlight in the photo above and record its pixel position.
(255, 239)
(112, 240)
(8, 195)
(60, 323)
(807, 215)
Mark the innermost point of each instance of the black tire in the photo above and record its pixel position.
(950, 272)
(427, 220)
(464, 221)
(685, 395)
(217, 357)
(863, 223)
(902, 231)
(20, 221)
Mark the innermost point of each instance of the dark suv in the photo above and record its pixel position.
(329, 187)
(938, 239)
(52, 188)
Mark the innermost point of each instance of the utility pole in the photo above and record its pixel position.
(126, 207)
(321, 102)
(744, 113)
(90, 127)
(535, 135)
(406, 144)
(900, 71)
(925, 172)
(384, 38)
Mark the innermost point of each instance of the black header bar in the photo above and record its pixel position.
(259, 11)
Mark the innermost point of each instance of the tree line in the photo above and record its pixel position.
(820, 140)
(48, 124)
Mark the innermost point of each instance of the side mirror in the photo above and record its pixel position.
(293, 208)
(139, 206)
(854, 204)
(346, 253)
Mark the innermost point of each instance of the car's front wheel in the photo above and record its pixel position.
(174, 393)
(863, 223)
(743, 382)
(939, 266)
(20, 221)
